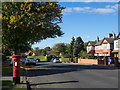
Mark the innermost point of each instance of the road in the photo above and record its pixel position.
(59, 75)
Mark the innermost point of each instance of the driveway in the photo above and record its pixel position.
(59, 75)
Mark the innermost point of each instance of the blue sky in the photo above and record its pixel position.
(87, 20)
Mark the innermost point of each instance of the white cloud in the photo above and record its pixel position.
(106, 9)
(89, 0)
(81, 8)
(86, 37)
(78, 9)
(103, 10)
(68, 10)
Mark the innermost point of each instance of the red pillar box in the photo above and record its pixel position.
(16, 69)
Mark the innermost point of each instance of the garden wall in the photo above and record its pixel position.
(88, 61)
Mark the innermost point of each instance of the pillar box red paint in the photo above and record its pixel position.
(16, 69)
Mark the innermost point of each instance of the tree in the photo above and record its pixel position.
(78, 46)
(24, 23)
(41, 50)
(83, 54)
(44, 53)
(67, 51)
(47, 48)
(36, 50)
(59, 48)
(72, 47)
(85, 46)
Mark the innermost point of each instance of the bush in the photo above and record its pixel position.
(65, 60)
(24, 56)
(3, 57)
(49, 58)
(66, 55)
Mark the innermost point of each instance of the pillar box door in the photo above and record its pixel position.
(16, 69)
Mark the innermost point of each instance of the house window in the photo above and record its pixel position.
(116, 44)
(95, 54)
(89, 48)
(96, 47)
(105, 54)
(105, 46)
(100, 54)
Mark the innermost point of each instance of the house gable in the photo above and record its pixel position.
(89, 44)
(105, 41)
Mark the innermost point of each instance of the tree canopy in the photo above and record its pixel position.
(78, 46)
(59, 48)
(24, 23)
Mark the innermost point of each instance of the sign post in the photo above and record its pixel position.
(16, 69)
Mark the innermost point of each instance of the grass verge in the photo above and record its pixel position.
(8, 71)
(7, 83)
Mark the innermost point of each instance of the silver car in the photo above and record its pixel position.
(30, 60)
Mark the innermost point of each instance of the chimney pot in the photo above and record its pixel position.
(97, 39)
(114, 35)
(110, 35)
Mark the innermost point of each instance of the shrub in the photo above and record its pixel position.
(49, 58)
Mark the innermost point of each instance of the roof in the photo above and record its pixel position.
(92, 43)
(109, 40)
(99, 43)
(118, 36)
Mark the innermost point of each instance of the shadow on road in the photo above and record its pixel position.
(64, 68)
(54, 83)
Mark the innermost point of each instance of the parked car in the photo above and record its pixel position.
(38, 60)
(23, 60)
(52, 59)
(56, 61)
(110, 60)
(30, 60)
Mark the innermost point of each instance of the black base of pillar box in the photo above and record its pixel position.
(16, 80)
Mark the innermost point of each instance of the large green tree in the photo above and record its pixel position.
(47, 48)
(78, 46)
(36, 50)
(72, 47)
(59, 48)
(24, 23)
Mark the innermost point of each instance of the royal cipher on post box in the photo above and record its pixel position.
(16, 69)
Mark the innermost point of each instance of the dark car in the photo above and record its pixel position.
(38, 60)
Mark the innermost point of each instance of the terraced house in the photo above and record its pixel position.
(116, 47)
(103, 47)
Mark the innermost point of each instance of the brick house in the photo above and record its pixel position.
(91, 47)
(103, 47)
(116, 43)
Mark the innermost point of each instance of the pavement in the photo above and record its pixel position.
(21, 85)
(61, 75)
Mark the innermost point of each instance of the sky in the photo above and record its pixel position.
(85, 19)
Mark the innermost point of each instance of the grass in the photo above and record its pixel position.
(14, 89)
(7, 83)
(42, 58)
(8, 71)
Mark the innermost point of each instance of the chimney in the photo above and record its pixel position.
(97, 39)
(110, 35)
(114, 35)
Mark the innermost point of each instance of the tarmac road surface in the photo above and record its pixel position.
(60, 75)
